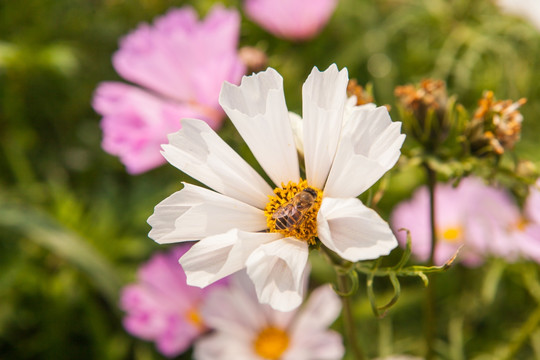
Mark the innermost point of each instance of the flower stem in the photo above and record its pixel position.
(348, 321)
(344, 290)
(430, 317)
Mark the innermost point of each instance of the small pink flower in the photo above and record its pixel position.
(161, 307)
(181, 62)
(246, 329)
(291, 19)
(472, 216)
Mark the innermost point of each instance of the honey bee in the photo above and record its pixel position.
(292, 214)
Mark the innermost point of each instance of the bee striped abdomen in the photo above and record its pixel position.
(292, 219)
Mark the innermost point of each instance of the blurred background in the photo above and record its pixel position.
(73, 223)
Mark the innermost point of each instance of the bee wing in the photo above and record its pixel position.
(284, 211)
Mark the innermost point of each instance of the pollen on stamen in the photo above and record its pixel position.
(306, 228)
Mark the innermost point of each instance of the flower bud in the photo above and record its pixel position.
(425, 111)
(495, 126)
(363, 96)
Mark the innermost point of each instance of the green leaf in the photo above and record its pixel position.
(40, 228)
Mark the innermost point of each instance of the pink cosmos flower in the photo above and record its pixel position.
(472, 216)
(161, 307)
(291, 19)
(248, 330)
(181, 63)
(525, 232)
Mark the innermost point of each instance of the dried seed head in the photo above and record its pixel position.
(426, 108)
(362, 96)
(495, 126)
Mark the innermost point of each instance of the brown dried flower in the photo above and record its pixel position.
(426, 105)
(496, 125)
(431, 94)
(362, 96)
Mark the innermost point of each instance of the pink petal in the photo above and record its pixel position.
(532, 204)
(183, 58)
(159, 305)
(136, 123)
(481, 213)
(292, 19)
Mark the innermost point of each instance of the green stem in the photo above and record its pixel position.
(348, 321)
(430, 319)
(431, 182)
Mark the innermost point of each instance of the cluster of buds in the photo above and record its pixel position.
(363, 96)
(425, 111)
(495, 126)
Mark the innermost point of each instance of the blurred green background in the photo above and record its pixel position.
(73, 223)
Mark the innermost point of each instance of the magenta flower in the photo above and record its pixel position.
(161, 307)
(181, 63)
(472, 216)
(291, 19)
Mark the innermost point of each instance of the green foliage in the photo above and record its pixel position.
(73, 223)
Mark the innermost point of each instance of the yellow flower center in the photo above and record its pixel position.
(521, 224)
(452, 234)
(292, 211)
(271, 343)
(194, 317)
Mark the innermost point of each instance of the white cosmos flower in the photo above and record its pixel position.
(247, 330)
(236, 220)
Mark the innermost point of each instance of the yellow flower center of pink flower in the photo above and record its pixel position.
(271, 343)
(293, 210)
(521, 224)
(452, 234)
(194, 317)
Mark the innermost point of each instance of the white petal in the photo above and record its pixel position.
(297, 125)
(277, 269)
(320, 311)
(284, 319)
(258, 110)
(220, 346)
(369, 147)
(352, 230)
(218, 256)
(350, 107)
(323, 101)
(199, 152)
(234, 309)
(194, 213)
(327, 345)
